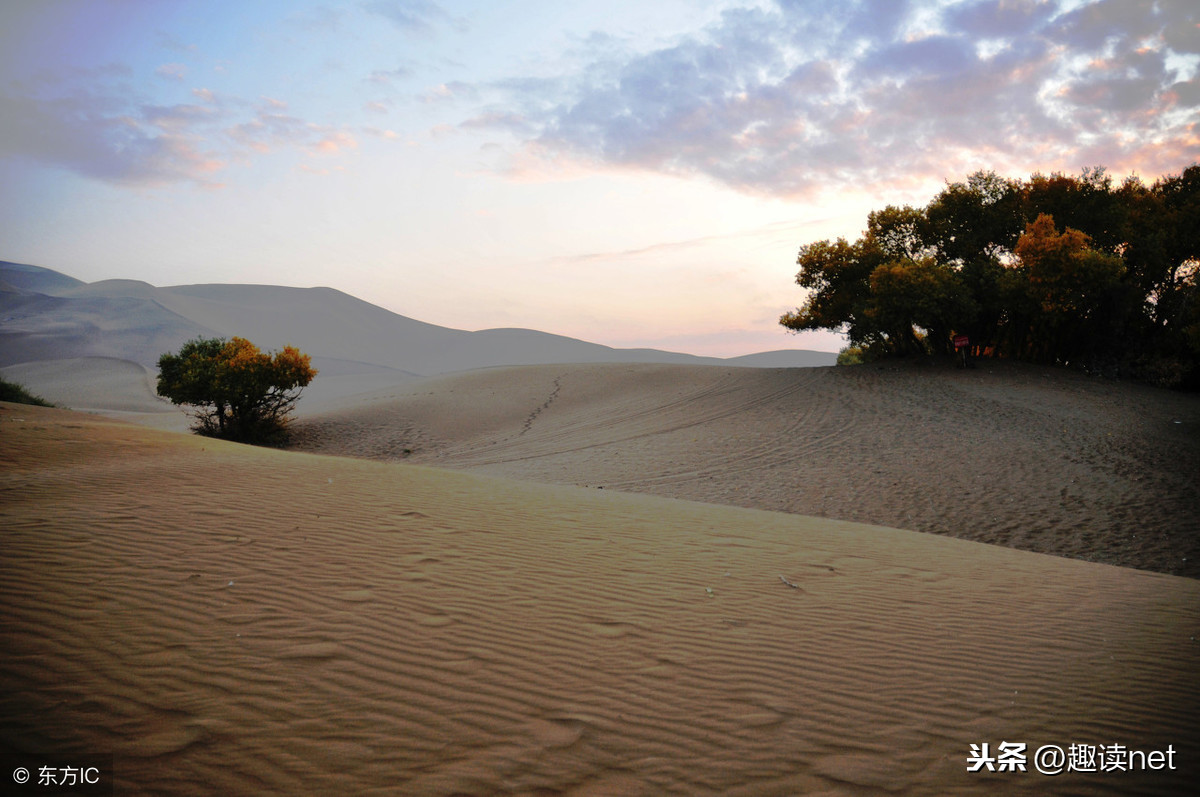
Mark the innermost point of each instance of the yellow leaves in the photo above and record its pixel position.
(1043, 251)
(239, 359)
(292, 368)
(1065, 275)
(240, 354)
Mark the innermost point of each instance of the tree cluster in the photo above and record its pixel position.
(1053, 269)
(236, 391)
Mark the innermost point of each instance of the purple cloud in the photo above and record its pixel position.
(89, 124)
(175, 72)
(999, 18)
(412, 16)
(930, 56)
(384, 77)
(88, 135)
(785, 99)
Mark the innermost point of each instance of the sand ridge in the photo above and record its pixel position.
(46, 316)
(238, 620)
(1027, 457)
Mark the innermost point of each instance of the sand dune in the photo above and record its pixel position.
(45, 315)
(90, 345)
(92, 383)
(18, 277)
(1027, 457)
(224, 619)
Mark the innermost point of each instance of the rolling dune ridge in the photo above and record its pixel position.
(224, 619)
(1034, 458)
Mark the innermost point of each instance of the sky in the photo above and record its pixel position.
(630, 173)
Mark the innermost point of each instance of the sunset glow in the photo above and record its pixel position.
(635, 174)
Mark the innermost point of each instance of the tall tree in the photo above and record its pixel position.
(921, 303)
(1056, 268)
(837, 275)
(976, 221)
(1070, 286)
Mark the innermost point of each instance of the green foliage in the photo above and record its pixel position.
(838, 275)
(919, 303)
(1054, 269)
(851, 355)
(18, 394)
(236, 391)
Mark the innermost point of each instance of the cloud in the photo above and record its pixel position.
(269, 131)
(93, 124)
(682, 247)
(417, 17)
(273, 129)
(789, 99)
(449, 92)
(385, 77)
(1000, 18)
(499, 120)
(172, 71)
(1181, 38)
(387, 135)
(85, 134)
(929, 56)
(333, 142)
(168, 41)
(175, 118)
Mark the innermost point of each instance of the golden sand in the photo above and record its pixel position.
(1022, 456)
(230, 620)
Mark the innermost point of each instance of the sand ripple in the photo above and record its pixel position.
(225, 619)
(1026, 457)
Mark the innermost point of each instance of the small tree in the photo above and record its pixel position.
(237, 392)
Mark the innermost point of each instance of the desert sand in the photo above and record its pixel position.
(1035, 458)
(230, 620)
(614, 579)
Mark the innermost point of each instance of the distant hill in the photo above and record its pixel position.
(47, 316)
(33, 279)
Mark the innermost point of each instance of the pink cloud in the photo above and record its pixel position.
(783, 101)
(91, 123)
(172, 71)
(335, 142)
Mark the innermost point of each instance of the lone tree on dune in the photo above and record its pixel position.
(237, 392)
